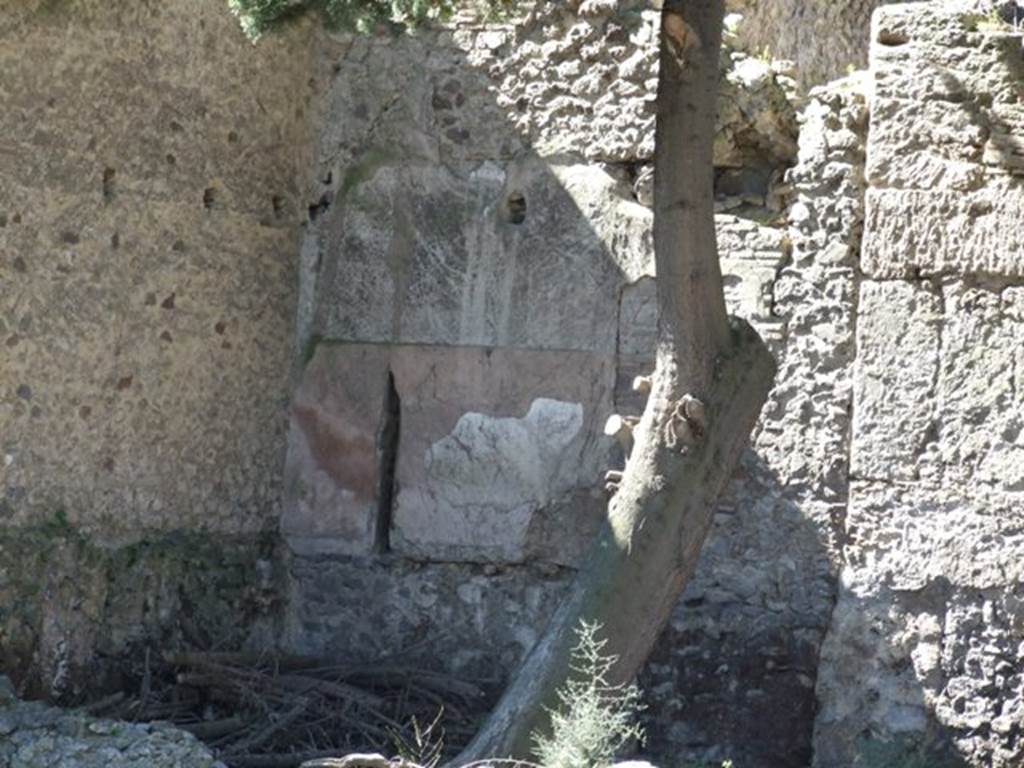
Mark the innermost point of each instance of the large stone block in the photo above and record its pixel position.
(924, 644)
(894, 411)
(489, 255)
(468, 454)
(926, 145)
(501, 453)
(944, 151)
(917, 232)
(906, 537)
(981, 387)
(332, 475)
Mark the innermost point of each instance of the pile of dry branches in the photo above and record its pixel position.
(279, 711)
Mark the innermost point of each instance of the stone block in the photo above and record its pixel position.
(501, 453)
(929, 619)
(916, 232)
(907, 537)
(981, 387)
(332, 474)
(895, 410)
(926, 145)
(492, 255)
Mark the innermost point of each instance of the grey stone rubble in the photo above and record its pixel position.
(34, 735)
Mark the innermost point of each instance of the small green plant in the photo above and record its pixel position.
(595, 719)
(991, 22)
(424, 745)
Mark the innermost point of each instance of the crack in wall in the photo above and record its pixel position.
(387, 453)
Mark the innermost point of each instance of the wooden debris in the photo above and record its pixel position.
(265, 711)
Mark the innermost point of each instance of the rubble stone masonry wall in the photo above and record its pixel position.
(310, 345)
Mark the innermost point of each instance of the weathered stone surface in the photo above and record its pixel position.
(925, 640)
(981, 387)
(944, 154)
(580, 78)
(146, 279)
(502, 453)
(428, 255)
(914, 232)
(823, 39)
(332, 475)
(896, 415)
(476, 621)
(813, 302)
(925, 643)
(499, 452)
(32, 734)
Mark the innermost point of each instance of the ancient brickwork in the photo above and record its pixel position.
(925, 645)
(462, 217)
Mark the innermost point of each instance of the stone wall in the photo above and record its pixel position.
(925, 647)
(734, 674)
(823, 38)
(462, 219)
(477, 295)
(152, 188)
(153, 165)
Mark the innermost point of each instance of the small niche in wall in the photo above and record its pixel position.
(515, 208)
(109, 174)
(209, 197)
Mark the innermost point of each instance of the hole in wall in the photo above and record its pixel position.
(892, 36)
(209, 198)
(387, 448)
(109, 175)
(320, 206)
(515, 208)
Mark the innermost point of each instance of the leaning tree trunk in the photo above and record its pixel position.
(711, 378)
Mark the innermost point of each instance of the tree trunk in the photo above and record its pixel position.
(712, 376)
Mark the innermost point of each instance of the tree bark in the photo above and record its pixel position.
(711, 379)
